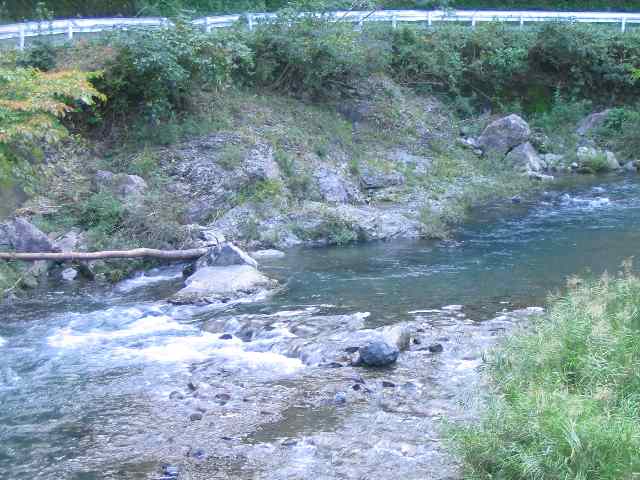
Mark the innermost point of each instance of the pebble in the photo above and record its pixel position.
(516, 199)
(436, 348)
(289, 442)
(193, 386)
(386, 384)
(351, 349)
(334, 365)
(195, 417)
(417, 341)
(171, 471)
(226, 336)
(223, 398)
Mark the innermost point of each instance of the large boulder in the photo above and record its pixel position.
(222, 284)
(525, 158)
(378, 353)
(593, 159)
(21, 236)
(124, 187)
(592, 122)
(503, 134)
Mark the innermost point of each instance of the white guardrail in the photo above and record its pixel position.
(22, 31)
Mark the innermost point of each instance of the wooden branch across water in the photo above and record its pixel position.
(135, 253)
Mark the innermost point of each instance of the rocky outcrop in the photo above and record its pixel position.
(22, 236)
(222, 284)
(126, 188)
(592, 122)
(375, 178)
(501, 135)
(591, 159)
(335, 187)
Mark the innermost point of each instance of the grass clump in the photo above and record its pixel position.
(566, 402)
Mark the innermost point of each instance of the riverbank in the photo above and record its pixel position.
(122, 382)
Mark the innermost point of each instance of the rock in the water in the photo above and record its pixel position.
(269, 253)
(20, 235)
(195, 416)
(378, 354)
(631, 167)
(225, 255)
(220, 284)
(436, 348)
(525, 158)
(503, 134)
(69, 274)
(124, 187)
(592, 122)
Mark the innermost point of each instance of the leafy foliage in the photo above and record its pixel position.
(155, 72)
(32, 103)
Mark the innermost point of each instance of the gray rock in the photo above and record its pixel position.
(126, 188)
(374, 178)
(378, 354)
(612, 161)
(69, 274)
(72, 241)
(260, 164)
(269, 253)
(221, 284)
(525, 158)
(592, 122)
(553, 160)
(503, 134)
(631, 166)
(335, 187)
(20, 235)
(225, 255)
(587, 154)
(420, 164)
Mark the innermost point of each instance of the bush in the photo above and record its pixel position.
(314, 57)
(156, 72)
(567, 398)
(41, 55)
(620, 132)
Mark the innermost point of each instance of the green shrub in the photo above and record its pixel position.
(313, 56)
(102, 213)
(155, 72)
(567, 393)
(620, 132)
(41, 55)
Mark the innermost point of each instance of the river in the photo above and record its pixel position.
(116, 383)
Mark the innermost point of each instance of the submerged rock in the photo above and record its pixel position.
(503, 134)
(222, 284)
(269, 253)
(378, 354)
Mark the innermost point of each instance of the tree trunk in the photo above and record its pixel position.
(136, 253)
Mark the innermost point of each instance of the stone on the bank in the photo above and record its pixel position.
(21, 236)
(124, 187)
(335, 188)
(69, 274)
(221, 284)
(503, 134)
(592, 122)
(525, 158)
(375, 178)
(378, 353)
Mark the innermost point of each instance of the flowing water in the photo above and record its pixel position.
(116, 383)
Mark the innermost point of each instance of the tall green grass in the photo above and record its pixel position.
(566, 396)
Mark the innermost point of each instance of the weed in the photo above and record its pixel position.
(231, 156)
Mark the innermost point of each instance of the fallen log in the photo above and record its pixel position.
(135, 253)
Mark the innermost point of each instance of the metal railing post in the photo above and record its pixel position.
(429, 19)
(394, 22)
(250, 21)
(70, 30)
(22, 35)
(473, 22)
(624, 24)
(521, 21)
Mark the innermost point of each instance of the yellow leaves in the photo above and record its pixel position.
(32, 102)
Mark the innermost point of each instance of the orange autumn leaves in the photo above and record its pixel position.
(33, 102)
